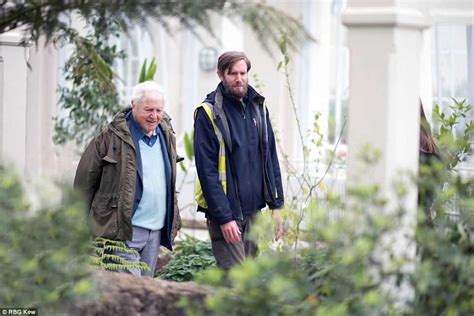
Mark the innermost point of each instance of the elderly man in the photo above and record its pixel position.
(128, 173)
(236, 161)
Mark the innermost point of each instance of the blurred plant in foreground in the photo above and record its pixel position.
(43, 253)
(336, 258)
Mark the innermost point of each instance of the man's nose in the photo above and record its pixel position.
(155, 114)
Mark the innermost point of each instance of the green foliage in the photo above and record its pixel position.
(47, 17)
(147, 74)
(105, 257)
(453, 140)
(188, 140)
(445, 233)
(327, 274)
(190, 257)
(443, 282)
(270, 285)
(349, 266)
(43, 253)
(189, 145)
(439, 184)
(89, 98)
(339, 256)
(304, 182)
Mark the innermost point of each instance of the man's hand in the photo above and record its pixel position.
(278, 219)
(231, 232)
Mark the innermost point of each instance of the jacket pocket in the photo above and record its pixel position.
(109, 175)
(103, 218)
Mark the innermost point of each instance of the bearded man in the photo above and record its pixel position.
(236, 162)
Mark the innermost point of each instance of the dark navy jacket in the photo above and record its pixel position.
(252, 168)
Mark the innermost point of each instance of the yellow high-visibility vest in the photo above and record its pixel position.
(221, 168)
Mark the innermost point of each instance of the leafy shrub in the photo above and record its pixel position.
(190, 257)
(449, 123)
(89, 97)
(42, 253)
(104, 256)
(443, 283)
(353, 264)
(327, 275)
(349, 267)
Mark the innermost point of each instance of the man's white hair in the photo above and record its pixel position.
(147, 90)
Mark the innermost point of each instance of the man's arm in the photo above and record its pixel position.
(206, 151)
(89, 170)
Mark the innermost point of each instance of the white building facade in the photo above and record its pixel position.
(370, 63)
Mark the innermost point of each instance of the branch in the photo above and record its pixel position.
(43, 17)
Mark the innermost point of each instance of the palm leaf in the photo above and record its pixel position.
(151, 70)
(141, 78)
(189, 146)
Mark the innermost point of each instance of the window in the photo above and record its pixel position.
(137, 46)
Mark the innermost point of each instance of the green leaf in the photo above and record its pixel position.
(279, 65)
(142, 76)
(182, 166)
(188, 146)
(282, 45)
(151, 70)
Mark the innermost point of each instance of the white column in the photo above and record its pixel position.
(191, 98)
(314, 66)
(385, 44)
(426, 71)
(42, 99)
(13, 101)
(385, 39)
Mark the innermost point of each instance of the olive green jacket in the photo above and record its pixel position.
(107, 176)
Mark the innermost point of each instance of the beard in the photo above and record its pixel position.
(236, 91)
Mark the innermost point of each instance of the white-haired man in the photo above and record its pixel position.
(127, 175)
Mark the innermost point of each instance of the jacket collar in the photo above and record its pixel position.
(137, 132)
(119, 122)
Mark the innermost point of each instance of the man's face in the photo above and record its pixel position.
(235, 79)
(148, 113)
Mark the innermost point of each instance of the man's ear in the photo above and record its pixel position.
(220, 75)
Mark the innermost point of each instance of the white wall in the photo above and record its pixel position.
(13, 105)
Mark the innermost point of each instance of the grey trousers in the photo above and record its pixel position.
(147, 243)
(227, 255)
